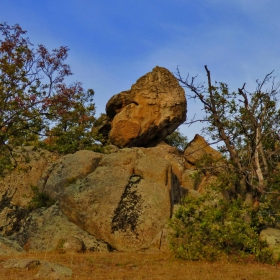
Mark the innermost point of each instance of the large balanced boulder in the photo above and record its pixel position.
(152, 109)
(126, 201)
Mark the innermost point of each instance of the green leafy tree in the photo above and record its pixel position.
(71, 122)
(208, 228)
(177, 139)
(247, 125)
(35, 102)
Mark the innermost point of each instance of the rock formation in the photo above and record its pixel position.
(152, 109)
(198, 148)
(126, 199)
(15, 188)
(195, 152)
(121, 200)
(48, 229)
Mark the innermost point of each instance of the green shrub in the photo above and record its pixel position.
(39, 199)
(177, 139)
(60, 244)
(5, 162)
(197, 178)
(208, 228)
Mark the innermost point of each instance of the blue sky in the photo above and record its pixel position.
(112, 43)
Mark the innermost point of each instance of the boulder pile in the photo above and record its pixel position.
(119, 200)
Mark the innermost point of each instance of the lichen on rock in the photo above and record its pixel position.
(127, 213)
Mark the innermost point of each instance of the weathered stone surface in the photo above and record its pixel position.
(272, 237)
(8, 247)
(110, 149)
(32, 163)
(198, 148)
(126, 201)
(56, 271)
(188, 176)
(121, 200)
(175, 158)
(47, 229)
(116, 201)
(188, 179)
(152, 109)
(11, 216)
(21, 263)
(67, 170)
(197, 151)
(15, 187)
(47, 270)
(73, 244)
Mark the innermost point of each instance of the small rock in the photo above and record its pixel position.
(272, 237)
(21, 263)
(74, 244)
(54, 271)
(110, 149)
(198, 148)
(8, 247)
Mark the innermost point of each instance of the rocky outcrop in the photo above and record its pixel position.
(48, 229)
(199, 148)
(43, 229)
(31, 164)
(67, 170)
(51, 270)
(121, 200)
(152, 109)
(125, 201)
(15, 187)
(21, 263)
(197, 153)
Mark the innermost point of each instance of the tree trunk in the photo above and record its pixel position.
(257, 165)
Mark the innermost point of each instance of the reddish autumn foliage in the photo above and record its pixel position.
(35, 102)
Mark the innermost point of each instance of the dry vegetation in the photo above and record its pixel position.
(143, 266)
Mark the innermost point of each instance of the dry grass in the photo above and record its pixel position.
(143, 266)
